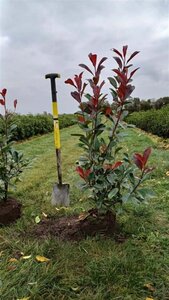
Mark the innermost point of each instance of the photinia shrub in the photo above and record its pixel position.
(11, 161)
(112, 181)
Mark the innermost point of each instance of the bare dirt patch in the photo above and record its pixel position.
(75, 228)
(10, 211)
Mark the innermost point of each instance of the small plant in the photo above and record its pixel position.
(111, 180)
(11, 161)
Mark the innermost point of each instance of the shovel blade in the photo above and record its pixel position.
(60, 195)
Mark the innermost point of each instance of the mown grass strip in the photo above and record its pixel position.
(95, 268)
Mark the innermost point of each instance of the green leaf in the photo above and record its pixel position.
(113, 193)
(125, 198)
(146, 193)
(84, 140)
(87, 129)
(96, 144)
(126, 157)
(122, 125)
(82, 185)
(100, 127)
(112, 143)
(83, 126)
(88, 96)
(84, 159)
(98, 186)
(131, 178)
(113, 82)
(114, 94)
(125, 185)
(125, 113)
(37, 220)
(91, 176)
(110, 178)
(117, 150)
(131, 126)
(15, 156)
(13, 127)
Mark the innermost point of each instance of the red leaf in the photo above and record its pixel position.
(83, 173)
(108, 111)
(96, 91)
(114, 166)
(100, 67)
(95, 101)
(92, 84)
(99, 71)
(121, 92)
(96, 79)
(78, 80)
(84, 86)
(117, 52)
(2, 101)
(101, 61)
(134, 54)
(101, 85)
(129, 89)
(121, 75)
(124, 50)
(138, 160)
(86, 68)
(76, 96)
(87, 172)
(70, 81)
(146, 155)
(3, 93)
(81, 119)
(128, 66)
(15, 103)
(132, 73)
(93, 58)
(118, 60)
(80, 171)
(141, 161)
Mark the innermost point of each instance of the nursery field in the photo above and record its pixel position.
(153, 121)
(133, 268)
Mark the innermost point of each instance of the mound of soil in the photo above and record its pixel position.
(79, 227)
(10, 211)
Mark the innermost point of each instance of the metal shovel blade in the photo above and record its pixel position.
(60, 195)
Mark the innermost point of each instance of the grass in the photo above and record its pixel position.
(95, 268)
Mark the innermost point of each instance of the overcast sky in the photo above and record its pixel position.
(44, 36)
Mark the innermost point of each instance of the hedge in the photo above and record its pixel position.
(31, 125)
(154, 121)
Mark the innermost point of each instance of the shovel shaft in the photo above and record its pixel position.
(56, 123)
(59, 169)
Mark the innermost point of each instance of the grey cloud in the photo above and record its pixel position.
(42, 36)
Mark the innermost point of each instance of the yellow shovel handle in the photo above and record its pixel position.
(56, 125)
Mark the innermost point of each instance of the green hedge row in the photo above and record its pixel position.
(154, 121)
(31, 125)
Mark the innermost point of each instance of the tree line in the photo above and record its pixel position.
(143, 105)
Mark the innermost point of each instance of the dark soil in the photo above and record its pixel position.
(10, 211)
(76, 228)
